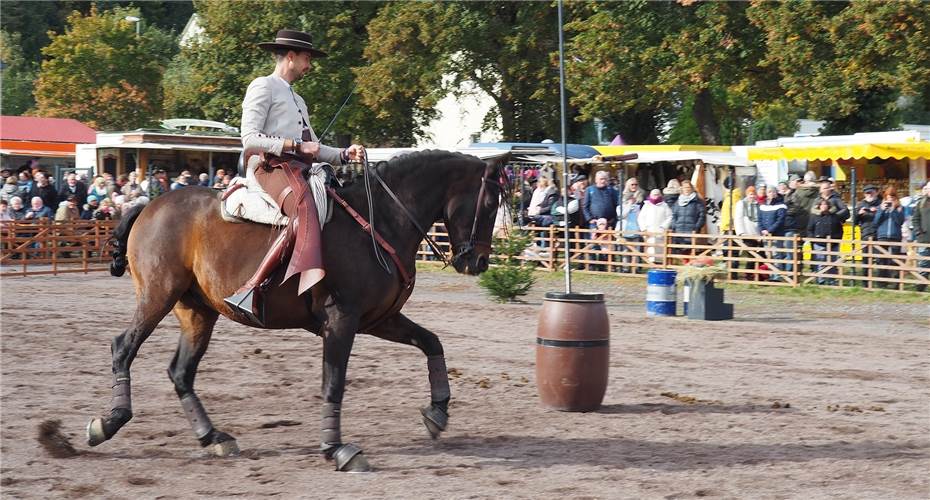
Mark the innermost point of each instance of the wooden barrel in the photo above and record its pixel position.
(572, 351)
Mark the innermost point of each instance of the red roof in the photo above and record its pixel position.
(34, 128)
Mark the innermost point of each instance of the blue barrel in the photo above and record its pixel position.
(660, 292)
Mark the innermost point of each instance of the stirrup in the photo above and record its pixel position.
(248, 304)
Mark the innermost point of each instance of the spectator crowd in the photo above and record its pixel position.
(30, 194)
(770, 219)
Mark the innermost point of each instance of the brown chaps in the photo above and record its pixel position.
(283, 181)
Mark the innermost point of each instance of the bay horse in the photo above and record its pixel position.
(184, 257)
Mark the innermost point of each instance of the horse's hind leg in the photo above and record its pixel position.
(196, 329)
(124, 348)
(400, 329)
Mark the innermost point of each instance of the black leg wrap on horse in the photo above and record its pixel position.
(117, 419)
(122, 392)
(214, 437)
(438, 380)
(331, 434)
(197, 416)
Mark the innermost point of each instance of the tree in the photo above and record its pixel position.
(101, 73)
(32, 21)
(17, 76)
(848, 62)
(509, 277)
(208, 79)
(421, 52)
(696, 64)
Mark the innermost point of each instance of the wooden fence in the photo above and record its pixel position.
(47, 247)
(30, 248)
(772, 261)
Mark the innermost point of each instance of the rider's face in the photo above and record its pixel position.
(300, 64)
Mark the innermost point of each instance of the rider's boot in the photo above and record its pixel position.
(247, 301)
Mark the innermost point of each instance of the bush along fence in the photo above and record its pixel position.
(30, 248)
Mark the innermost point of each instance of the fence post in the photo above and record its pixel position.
(867, 250)
(53, 243)
(797, 253)
(665, 250)
(552, 248)
(729, 254)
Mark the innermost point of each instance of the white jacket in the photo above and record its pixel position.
(271, 113)
(655, 218)
(743, 225)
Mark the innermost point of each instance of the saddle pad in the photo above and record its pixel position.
(251, 203)
(248, 204)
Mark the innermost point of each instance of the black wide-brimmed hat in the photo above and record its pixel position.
(297, 41)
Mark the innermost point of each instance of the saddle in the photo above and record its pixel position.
(286, 192)
(244, 200)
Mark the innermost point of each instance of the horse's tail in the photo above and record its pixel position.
(120, 237)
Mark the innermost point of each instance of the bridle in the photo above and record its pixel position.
(466, 248)
(473, 244)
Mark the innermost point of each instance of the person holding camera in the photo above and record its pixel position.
(888, 221)
(865, 217)
(824, 224)
(921, 231)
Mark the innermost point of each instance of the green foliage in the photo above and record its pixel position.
(32, 21)
(509, 278)
(847, 62)
(208, 78)
(697, 62)
(419, 52)
(17, 76)
(102, 74)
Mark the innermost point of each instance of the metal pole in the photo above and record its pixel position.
(852, 197)
(732, 185)
(568, 266)
(519, 181)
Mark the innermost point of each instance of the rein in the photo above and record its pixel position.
(429, 239)
(404, 275)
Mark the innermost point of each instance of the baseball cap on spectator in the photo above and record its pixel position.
(794, 177)
(91, 198)
(869, 188)
(824, 178)
(578, 178)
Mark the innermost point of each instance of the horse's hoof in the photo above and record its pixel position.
(435, 420)
(95, 434)
(349, 458)
(225, 449)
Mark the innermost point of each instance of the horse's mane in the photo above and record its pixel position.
(414, 160)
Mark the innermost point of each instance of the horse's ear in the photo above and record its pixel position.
(497, 163)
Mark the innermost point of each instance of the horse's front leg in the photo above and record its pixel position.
(338, 335)
(399, 328)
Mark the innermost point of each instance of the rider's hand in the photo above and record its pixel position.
(356, 152)
(309, 150)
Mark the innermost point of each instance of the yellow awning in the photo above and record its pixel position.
(645, 148)
(842, 151)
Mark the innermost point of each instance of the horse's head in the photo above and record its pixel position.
(471, 207)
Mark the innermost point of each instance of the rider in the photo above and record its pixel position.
(275, 133)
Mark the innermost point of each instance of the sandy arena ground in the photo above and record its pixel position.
(800, 397)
